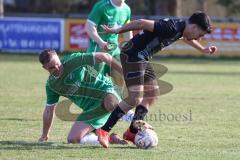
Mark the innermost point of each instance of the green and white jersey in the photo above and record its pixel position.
(105, 12)
(86, 88)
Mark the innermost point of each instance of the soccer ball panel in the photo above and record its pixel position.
(146, 139)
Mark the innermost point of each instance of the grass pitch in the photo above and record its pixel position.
(198, 119)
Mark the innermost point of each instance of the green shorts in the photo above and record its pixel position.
(94, 112)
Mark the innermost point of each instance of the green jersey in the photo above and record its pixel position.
(106, 13)
(84, 87)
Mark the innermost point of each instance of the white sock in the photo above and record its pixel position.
(90, 138)
(128, 116)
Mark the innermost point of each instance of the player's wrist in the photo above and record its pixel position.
(103, 44)
(118, 30)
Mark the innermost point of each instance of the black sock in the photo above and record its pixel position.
(112, 120)
(139, 114)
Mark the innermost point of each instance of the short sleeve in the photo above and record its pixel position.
(52, 97)
(165, 28)
(96, 13)
(129, 16)
(77, 60)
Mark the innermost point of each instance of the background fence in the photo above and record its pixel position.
(32, 34)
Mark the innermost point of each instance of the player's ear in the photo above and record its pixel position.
(194, 26)
(189, 27)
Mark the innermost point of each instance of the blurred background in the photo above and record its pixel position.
(28, 26)
(215, 8)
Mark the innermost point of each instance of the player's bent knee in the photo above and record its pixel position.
(110, 102)
(148, 101)
(133, 101)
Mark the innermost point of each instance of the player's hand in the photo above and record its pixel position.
(106, 47)
(108, 30)
(103, 45)
(43, 139)
(210, 49)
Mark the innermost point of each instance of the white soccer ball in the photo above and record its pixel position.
(146, 139)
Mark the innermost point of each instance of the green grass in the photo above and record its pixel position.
(209, 89)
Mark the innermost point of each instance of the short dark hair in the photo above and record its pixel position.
(202, 20)
(45, 55)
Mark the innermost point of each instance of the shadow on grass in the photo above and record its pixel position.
(123, 147)
(23, 145)
(17, 119)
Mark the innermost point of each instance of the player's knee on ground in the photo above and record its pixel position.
(110, 102)
(71, 139)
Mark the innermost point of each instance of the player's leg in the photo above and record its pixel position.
(104, 132)
(116, 139)
(94, 118)
(118, 78)
(141, 111)
(78, 131)
(118, 81)
(90, 139)
(124, 106)
(135, 87)
(110, 103)
(151, 92)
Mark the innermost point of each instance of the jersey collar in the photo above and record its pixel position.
(114, 5)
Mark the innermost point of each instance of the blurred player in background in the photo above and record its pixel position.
(138, 73)
(114, 14)
(91, 91)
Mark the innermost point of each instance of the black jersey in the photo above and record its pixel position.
(166, 31)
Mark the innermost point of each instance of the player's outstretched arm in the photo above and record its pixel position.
(140, 24)
(93, 34)
(198, 46)
(47, 122)
(109, 60)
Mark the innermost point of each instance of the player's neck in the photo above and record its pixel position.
(117, 3)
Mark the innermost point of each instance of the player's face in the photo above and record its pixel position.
(193, 32)
(118, 2)
(54, 66)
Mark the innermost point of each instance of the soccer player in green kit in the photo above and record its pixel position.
(112, 13)
(92, 92)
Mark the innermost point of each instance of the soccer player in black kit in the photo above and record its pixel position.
(138, 73)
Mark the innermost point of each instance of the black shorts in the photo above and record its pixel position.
(136, 70)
